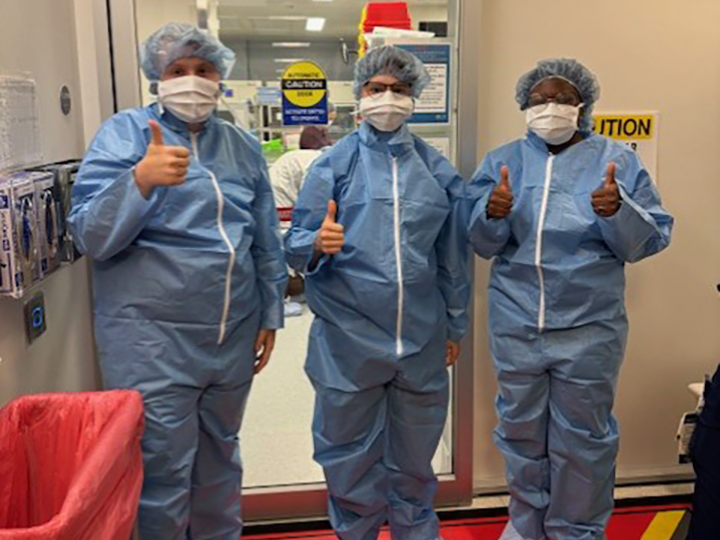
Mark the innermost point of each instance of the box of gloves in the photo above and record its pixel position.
(48, 222)
(6, 241)
(18, 216)
(64, 175)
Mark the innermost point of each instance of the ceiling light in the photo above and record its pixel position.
(287, 60)
(291, 44)
(279, 18)
(315, 24)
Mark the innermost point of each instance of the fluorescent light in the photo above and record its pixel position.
(279, 18)
(287, 60)
(315, 24)
(291, 44)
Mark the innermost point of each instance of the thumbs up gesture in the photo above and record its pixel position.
(162, 165)
(331, 237)
(606, 200)
(501, 200)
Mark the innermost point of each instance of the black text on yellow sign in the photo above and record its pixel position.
(626, 127)
(304, 84)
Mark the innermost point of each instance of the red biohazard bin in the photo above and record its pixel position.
(70, 466)
(388, 15)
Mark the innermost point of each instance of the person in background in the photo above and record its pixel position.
(379, 230)
(561, 212)
(287, 175)
(288, 172)
(174, 207)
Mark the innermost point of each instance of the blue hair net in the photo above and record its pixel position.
(181, 40)
(565, 68)
(394, 62)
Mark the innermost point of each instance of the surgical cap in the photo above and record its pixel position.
(564, 68)
(393, 62)
(181, 40)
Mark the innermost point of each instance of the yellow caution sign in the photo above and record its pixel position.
(626, 127)
(304, 88)
(638, 130)
(304, 84)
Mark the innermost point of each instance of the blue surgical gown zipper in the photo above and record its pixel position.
(226, 239)
(398, 256)
(539, 242)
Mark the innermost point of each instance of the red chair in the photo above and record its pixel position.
(70, 466)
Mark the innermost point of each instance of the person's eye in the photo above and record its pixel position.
(534, 101)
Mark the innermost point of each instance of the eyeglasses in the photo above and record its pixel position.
(377, 89)
(561, 99)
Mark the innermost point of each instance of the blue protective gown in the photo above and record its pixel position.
(384, 308)
(557, 322)
(176, 315)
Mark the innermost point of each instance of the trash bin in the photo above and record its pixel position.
(70, 466)
(705, 454)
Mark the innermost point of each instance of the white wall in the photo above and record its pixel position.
(39, 37)
(428, 14)
(648, 55)
(151, 15)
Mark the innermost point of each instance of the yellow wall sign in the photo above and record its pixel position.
(636, 129)
(304, 88)
(626, 127)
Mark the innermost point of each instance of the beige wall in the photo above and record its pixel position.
(38, 37)
(651, 55)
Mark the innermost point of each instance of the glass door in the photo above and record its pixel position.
(281, 479)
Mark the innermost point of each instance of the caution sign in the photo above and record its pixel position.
(304, 95)
(638, 130)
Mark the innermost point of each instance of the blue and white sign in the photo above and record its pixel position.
(433, 107)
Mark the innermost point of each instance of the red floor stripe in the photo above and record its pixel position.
(626, 524)
(629, 526)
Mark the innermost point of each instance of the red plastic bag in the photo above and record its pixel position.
(70, 466)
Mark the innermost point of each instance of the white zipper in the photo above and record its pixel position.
(398, 257)
(538, 242)
(226, 239)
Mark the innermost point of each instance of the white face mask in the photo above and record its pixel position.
(190, 98)
(388, 111)
(553, 123)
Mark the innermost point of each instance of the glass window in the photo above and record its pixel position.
(267, 36)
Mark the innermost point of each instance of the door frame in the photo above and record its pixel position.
(310, 500)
